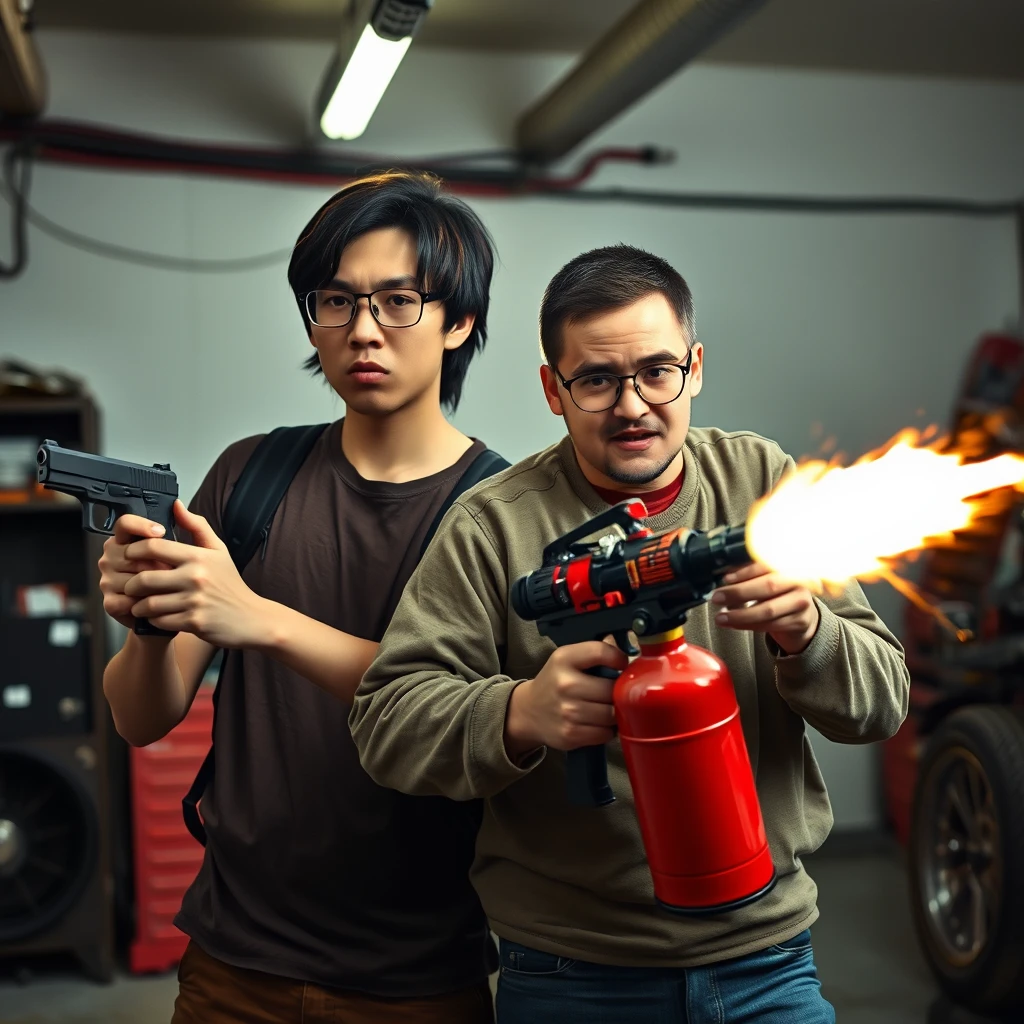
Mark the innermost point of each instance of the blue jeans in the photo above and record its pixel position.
(778, 985)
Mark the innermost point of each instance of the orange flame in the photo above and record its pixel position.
(832, 523)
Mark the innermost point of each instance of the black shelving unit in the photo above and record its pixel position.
(56, 850)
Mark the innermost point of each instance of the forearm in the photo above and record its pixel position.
(431, 734)
(145, 690)
(429, 715)
(333, 660)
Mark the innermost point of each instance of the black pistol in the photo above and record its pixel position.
(115, 487)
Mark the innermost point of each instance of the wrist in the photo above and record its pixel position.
(792, 644)
(144, 645)
(519, 736)
(267, 620)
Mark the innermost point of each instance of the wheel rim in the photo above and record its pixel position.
(961, 875)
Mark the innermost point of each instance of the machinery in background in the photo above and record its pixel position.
(955, 773)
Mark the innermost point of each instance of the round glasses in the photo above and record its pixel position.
(390, 307)
(656, 385)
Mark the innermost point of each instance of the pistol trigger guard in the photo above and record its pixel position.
(107, 529)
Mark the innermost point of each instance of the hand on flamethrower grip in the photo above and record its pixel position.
(563, 706)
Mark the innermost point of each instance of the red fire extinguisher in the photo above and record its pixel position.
(675, 705)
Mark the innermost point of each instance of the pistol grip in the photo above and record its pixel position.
(587, 767)
(162, 513)
(143, 628)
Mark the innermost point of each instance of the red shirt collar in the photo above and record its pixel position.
(656, 501)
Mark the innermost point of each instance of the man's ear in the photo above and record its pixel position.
(696, 369)
(460, 332)
(551, 392)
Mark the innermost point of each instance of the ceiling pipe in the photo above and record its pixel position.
(23, 85)
(653, 41)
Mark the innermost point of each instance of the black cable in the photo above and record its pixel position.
(22, 212)
(19, 209)
(100, 147)
(791, 204)
(98, 143)
(141, 257)
(472, 156)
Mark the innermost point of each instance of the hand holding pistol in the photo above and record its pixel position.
(109, 488)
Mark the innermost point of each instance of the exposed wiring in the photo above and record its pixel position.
(801, 204)
(151, 259)
(15, 190)
(77, 144)
(18, 187)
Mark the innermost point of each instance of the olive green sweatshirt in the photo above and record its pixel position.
(429, 716)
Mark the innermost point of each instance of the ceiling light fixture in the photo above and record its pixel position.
(364, 65)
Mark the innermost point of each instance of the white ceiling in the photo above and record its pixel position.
(977, 38)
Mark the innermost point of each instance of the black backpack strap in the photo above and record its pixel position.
(247, 517)
(486, 464)
(261, 486)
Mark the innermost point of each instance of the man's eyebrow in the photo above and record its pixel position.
(391, 282)
(596, 367)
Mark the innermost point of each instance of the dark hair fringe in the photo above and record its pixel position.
(604, 279)
(455, 254)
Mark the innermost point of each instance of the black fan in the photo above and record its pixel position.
(48, 834)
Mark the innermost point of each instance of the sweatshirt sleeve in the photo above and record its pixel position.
(851, 681)
(429, 715)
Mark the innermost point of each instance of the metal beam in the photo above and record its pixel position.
(653, 41)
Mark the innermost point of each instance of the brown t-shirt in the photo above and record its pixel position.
(312, 871)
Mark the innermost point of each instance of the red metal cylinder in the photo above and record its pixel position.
(693, 786)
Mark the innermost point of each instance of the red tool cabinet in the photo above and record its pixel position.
(166, 857)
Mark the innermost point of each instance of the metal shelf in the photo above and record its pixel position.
(15, 507)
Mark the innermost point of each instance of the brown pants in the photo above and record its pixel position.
(212, 992)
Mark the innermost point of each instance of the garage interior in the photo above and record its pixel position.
(841, 184)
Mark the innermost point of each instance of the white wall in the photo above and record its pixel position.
(852, 322)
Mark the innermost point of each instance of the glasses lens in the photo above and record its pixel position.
(595, 392)
(660, 384)
(396, 307)
(330, 308)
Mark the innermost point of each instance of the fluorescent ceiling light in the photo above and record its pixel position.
(353, 88)
(369, 72)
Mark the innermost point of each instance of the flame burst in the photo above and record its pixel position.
(832, 523)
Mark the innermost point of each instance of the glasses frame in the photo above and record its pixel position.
(567, 384)
(425, 297)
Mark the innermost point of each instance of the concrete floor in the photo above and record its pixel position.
(867, 957)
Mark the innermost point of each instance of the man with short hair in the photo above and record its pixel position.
(322, 896)
(467, 700)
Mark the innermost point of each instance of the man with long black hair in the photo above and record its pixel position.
(323, 896)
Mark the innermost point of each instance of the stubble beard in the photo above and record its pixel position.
(640, 476)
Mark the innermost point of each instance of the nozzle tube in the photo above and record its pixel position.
(711, 554)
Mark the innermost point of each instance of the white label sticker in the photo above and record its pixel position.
(17, 696)
(63, 633)
(43, 600)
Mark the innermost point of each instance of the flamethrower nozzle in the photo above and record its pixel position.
(717, 551)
